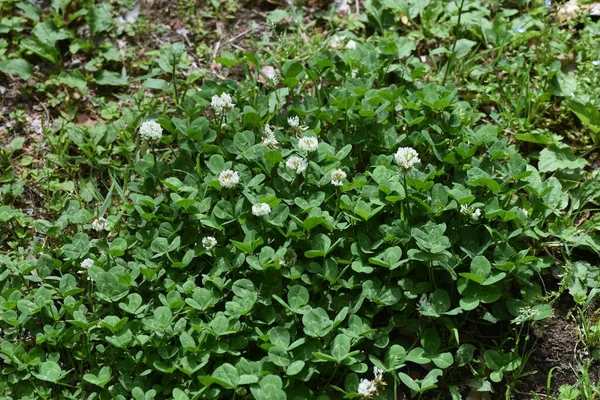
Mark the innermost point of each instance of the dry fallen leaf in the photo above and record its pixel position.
(268, 71)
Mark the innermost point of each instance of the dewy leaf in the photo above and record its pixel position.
(555, 158)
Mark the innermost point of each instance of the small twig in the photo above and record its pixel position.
(41, 103)
(216, 49)
(239, 35)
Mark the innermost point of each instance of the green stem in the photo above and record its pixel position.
(337, 204)
(405, 196)
(402, 210)
(332, 375)
(452, 55)
(431, 275)
(174, 78)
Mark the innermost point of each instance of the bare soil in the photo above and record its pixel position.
(557, 349)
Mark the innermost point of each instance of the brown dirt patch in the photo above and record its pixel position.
(557, 345)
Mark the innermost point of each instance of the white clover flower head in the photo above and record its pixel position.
(351, 45)
(289, 259)
(294, 121)
(227, 100)
(424, 302)
(526, 313)
(474, 214)
(596, 63)
(269, 139)
(269, 130)
(261, 209)
(308, 144)
(521, 30)
(406, 158)
(378, 372)
(334, 42)
(337, 177)
(229, 179)
(151, 131)
(209, 242)
(100, 224)
(354, 73)
(83, 272)
(87, 263)
(367, 388)
(222, 104)
(296, 164)
(525, 212)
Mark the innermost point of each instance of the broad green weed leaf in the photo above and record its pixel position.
(556, 158)
(18, 67)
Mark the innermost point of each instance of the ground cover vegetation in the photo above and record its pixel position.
(299, 200)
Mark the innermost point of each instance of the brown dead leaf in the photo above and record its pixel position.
(85, 118)
(267, 71)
